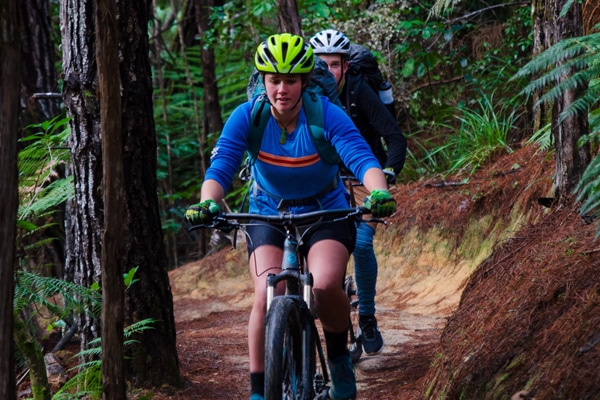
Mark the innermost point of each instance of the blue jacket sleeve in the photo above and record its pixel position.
(228, 154)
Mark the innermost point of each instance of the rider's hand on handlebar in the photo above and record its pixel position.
(381, 203)
(202, 213)
(390, 176)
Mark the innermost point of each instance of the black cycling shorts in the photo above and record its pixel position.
(262, 233)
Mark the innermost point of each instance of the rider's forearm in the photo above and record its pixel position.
(375, 179)
(212, 190)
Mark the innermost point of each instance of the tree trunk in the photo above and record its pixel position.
(84, 216)
(211, 121)
(289, 19)
(34, 356)
(571, 160)
(10, 72)
(540, 114)
(153, 359)
(109, 83)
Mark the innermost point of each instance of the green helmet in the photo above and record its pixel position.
(284, 54)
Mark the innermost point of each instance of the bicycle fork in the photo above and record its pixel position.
(291, 274)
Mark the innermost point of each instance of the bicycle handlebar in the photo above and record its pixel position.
(232, 220)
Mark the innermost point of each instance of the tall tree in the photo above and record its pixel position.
(289, 18)
(84, 216)
(10, 72)
(109, 84)
(551, 25)
(571, 159)
(192, 34)
(212, 122)
(152, 359)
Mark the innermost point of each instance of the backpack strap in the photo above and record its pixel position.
(313, 108)
(259, 116)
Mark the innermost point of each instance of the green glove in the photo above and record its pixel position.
(202, 213)
(381, 203)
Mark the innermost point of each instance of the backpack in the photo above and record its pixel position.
(321, 83)
(362, 63)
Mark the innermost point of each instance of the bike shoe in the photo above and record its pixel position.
(372, 341)
(256, 396)
(343, 381)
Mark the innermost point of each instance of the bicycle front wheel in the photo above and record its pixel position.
(289, 351)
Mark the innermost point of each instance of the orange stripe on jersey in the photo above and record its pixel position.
(291, 162)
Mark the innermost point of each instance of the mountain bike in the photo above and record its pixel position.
(295, 363)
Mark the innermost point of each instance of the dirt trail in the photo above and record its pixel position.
(212, 301)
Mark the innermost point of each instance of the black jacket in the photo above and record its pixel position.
(375, 122)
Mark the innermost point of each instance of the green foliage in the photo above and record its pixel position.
(437, 65)
(570, 64)
(129, 277)
(588, 191)
(88, 381)
(423, 157)
(33, 290)
(41, 188)
(53, 299)
(542, 138)
(482, 134)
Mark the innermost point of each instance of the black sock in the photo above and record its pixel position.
(336, 344)
(257, 383)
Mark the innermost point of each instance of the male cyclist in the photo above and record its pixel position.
(375, 122)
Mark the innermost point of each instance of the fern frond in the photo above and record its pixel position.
(579, 106)
(48, 198)
(588, 188)
(594, 122)
(85, 385)
(542, 138)
(140, 326)
(576, 80)
(565, 51)
(31, 288)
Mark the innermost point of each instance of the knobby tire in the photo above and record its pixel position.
(289, 350)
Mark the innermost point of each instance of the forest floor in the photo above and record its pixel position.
(484, 292)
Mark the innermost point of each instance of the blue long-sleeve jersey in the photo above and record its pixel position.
(292, 170)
